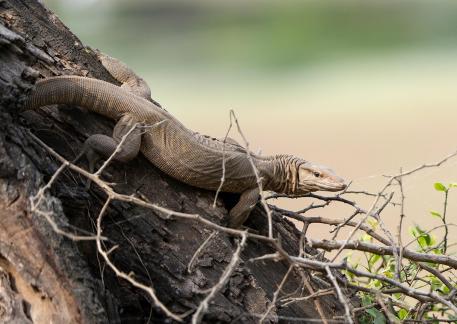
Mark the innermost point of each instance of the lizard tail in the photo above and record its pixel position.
(96, 95)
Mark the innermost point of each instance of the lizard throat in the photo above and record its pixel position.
(286, 174)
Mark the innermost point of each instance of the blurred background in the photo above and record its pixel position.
(366, 87)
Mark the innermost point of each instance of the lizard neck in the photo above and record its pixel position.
(284, 174)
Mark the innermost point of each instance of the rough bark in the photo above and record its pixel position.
(44, 276)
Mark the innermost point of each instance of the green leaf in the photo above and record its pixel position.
(373, 259)
(435, 283)
(437, 251)
(415, 231)
(388, 273)
(366, 300)
(440, 187)
(375, 283)
(378, 317)
(366, 238)
(435, 214)
(453, 185)
(422, 241)
(402, 313)
(432, 240)
(452, 317)
(348, 274)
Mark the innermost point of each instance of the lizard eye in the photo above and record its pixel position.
(317, 174)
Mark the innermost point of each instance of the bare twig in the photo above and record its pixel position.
(319, 293)
(415, 293)
(359, 224)
(388, 183)
(340, 295)
(257, 176)
(384, 250)
(38, 199)
(275, 295)
(392, 318)
(199, 250)
(121, 143)
(124, 275)
(443, 218)
(316, 301)
(399, 229)
(330, 221)
(202, 308)
(116, 150)
(221, 184)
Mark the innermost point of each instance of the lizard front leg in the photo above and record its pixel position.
(99, 145)
(240, 212)
(122, 73)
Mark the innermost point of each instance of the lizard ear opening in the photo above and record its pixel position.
(305, 179)
(303, 174)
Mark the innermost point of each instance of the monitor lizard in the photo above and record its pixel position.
(181, 153)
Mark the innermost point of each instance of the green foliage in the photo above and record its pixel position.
(377, 316)
(423, 238)
(436, 214)
(372, 314)
(440, 187)
(411, 274)
(372, 260)
(402, 314)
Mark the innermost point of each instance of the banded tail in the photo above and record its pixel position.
(96, 95)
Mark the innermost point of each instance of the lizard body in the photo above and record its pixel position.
(179, 152)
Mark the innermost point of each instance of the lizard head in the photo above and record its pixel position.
(312, 177)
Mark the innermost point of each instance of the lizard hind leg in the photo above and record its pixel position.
(125, 75)
(99, 145)
(240, 212)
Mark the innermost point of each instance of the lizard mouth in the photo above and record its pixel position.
(332, 186)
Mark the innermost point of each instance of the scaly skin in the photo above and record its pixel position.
(179, 152)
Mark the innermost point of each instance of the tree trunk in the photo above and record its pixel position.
(45, 276)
